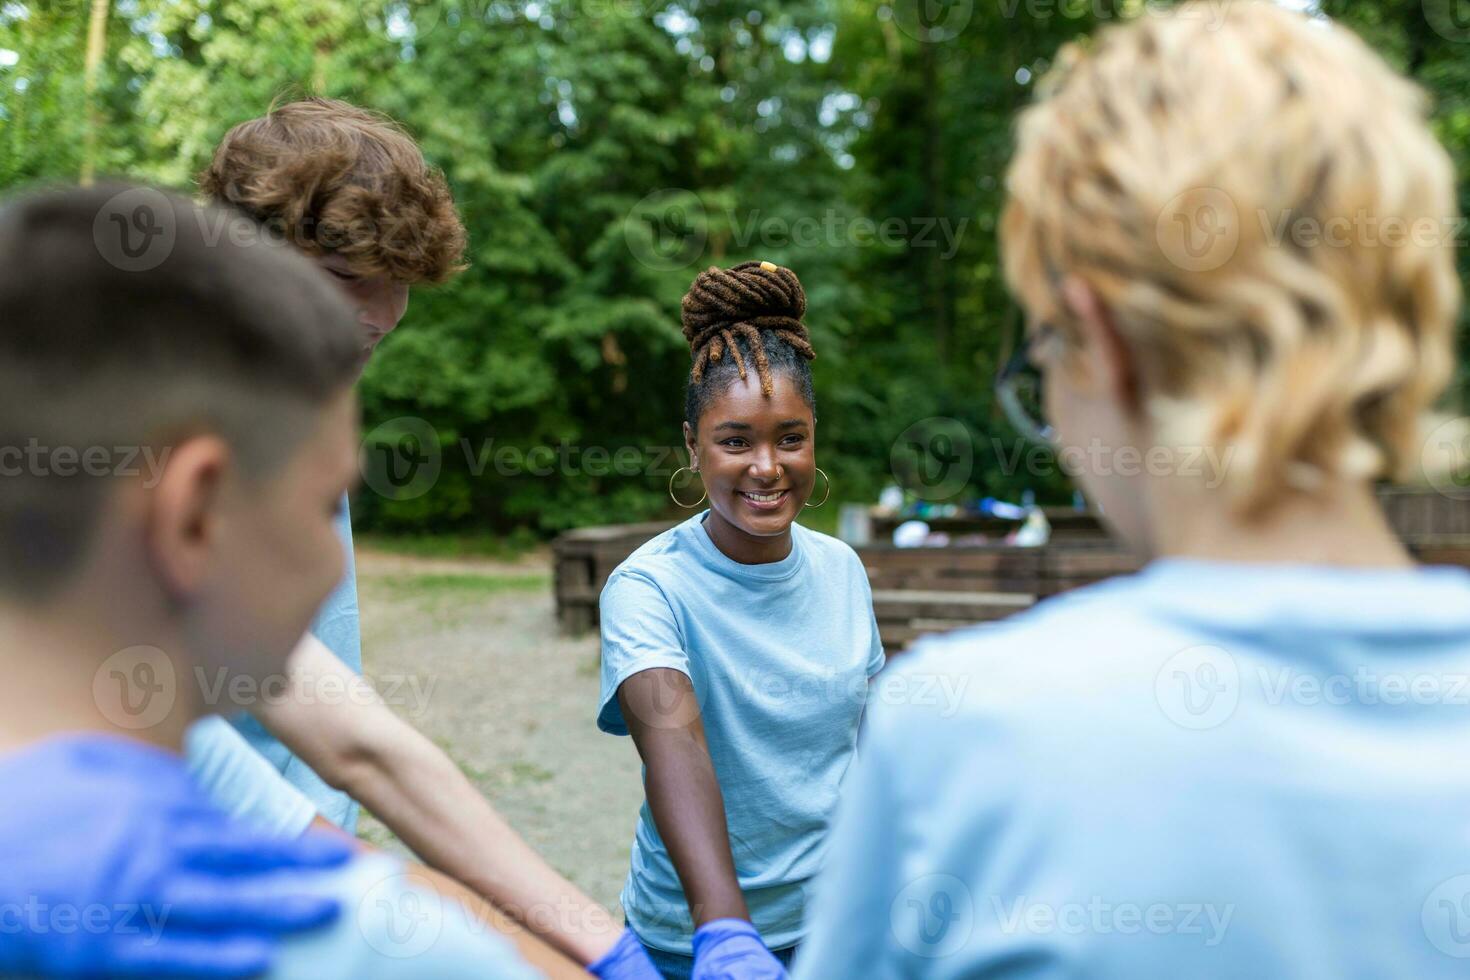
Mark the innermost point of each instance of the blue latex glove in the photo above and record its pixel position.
(113, 863)
(731, 949)
(628, 960)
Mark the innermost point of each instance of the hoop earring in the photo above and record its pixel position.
(675, 475)
(825, 495)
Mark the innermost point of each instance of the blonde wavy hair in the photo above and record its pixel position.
(334, 177)
(1258, 201)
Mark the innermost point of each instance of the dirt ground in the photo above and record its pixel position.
(509, 698)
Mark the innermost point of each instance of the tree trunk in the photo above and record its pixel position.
(92, 68)
(935, 197)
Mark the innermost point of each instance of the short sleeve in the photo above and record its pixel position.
(242, 782)
(639, 633)
(876, 657)
(338, 623)
(393, 925)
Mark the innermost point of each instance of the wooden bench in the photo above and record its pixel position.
(904, 615)
(995, 568)
(582, 561)
(932, 590)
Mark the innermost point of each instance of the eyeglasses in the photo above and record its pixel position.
(1018, 387)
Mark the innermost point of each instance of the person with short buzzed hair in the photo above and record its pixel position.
(230, 363)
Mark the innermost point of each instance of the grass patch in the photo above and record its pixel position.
(506, 547)
(518, 772)
(374, 831)
(526, 772)
(475, 775)
(461, 583)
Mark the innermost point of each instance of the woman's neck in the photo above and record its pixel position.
(1344, 527)
(743, 547)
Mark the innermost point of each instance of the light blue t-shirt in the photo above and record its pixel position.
(109, 797)
(779, 656)
(241, 782)
(337, 626)
(1205, 770)
(392, 926)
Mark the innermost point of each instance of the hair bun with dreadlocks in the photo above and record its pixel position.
(743, 302)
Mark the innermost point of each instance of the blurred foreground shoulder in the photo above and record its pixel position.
(1071, 627)
(394, 925)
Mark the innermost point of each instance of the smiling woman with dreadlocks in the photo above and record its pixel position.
(736, 649)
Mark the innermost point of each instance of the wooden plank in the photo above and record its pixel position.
(923, 626)
(612, 532)
(896, 639)
(576, 619)
(1416, 512)
(572, 571)
(1098, 563)
(585, 595)
(950, 606)
(978, 557)
(1453, 550)
(951, 599)
(938, 581)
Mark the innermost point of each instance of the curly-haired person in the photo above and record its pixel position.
(350, 189)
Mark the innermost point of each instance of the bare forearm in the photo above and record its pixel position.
(535, 952)
(689, 812)
(424, 798)
(683, 790)
(358, 745)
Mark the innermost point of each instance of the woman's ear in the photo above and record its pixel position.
(691, 445)
(1107, 360)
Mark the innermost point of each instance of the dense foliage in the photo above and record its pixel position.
(603, 151)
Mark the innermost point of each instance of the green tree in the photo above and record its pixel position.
(602, 153)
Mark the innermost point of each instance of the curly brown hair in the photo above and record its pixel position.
(756, 306)
(743, 301)
(334, 177)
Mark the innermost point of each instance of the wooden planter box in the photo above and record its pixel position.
(1067, 524)
(583, 559)
(917, 591)
(1424, 515)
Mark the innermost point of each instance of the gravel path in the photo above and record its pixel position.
(509, 698)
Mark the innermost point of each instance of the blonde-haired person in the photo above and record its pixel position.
(1247, 760)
